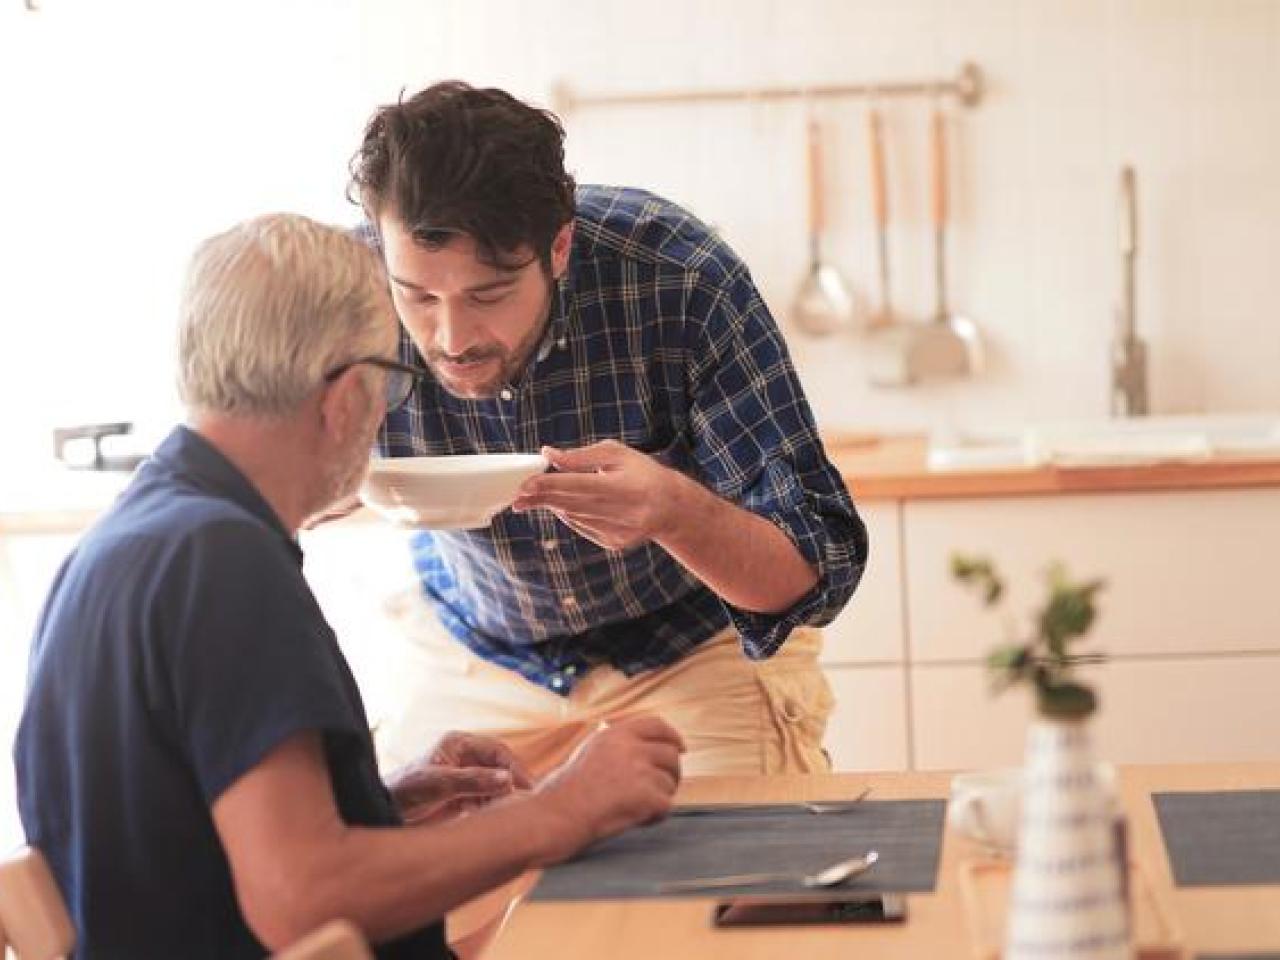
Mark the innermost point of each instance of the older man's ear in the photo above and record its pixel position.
(346, 405)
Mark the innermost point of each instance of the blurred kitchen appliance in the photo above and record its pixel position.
(883, 316)
(1128, 351)
(81, 447)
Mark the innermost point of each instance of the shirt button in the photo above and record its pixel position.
(557, 681)
(506, 393)
(550, 544)
(570, 670)
(562, 343)
(569, 603)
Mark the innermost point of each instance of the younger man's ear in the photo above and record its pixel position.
(561, 244)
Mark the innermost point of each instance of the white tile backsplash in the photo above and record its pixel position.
(1186, 90)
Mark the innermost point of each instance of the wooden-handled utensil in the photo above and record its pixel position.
(949, 345)
(954, 347)
(883, 317)
(824, 303)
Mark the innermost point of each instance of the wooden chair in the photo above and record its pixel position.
(32, 914)
(336, 940)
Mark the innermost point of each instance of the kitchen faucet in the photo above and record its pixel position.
(1128, 351)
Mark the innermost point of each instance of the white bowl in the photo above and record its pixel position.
(447, 493)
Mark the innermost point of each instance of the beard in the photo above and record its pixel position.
(345, 474)
(508, 363)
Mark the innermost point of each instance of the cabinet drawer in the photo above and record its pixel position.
(1176, 710)
(869, 629)
(868, 728)
(1187, 572)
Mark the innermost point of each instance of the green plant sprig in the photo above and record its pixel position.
(1044, 660)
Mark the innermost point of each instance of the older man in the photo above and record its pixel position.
(194, 757)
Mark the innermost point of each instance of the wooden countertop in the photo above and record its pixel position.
(1210, 919)
(876, 467)
(895, 468)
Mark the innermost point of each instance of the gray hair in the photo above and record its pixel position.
(269, 307)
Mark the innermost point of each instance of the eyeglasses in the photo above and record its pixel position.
(401, 377)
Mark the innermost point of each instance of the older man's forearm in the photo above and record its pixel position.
(390, 881)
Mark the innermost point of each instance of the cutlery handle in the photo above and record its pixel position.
(1128, 212)
(940, 208)
(717, 883)
(813, 143)
(938, 140)
(879, 192)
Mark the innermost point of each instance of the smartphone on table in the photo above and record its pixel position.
(849, 908)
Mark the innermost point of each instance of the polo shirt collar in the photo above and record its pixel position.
(184, 452)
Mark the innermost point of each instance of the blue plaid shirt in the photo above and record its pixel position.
(658, 339)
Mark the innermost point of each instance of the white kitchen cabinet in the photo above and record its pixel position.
(869, 630)
(864, 656)
(1189, 617)
(868, 728)
(1166, 710)
(355, 568)
(1187, 572)
(1190, 710)
(28, 563)
(957, 724)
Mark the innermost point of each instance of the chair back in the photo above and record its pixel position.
(336, 940)
(33, 915)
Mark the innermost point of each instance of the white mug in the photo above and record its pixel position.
(986, 805)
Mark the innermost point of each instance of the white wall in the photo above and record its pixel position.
(132, 130)
(128, 132)
(1186, 90)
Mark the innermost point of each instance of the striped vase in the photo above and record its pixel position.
(1067, 900)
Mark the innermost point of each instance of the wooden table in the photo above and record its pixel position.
(1212, 919)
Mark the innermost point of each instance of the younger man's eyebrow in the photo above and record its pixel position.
(403, 283)
(508, 278)
(493, 284)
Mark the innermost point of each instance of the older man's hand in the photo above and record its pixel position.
(463, 771)
(624, 774)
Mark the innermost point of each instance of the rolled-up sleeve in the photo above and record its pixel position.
(755, 443)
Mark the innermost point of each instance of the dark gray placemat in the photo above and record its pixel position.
(907, 834)
(1222, 837)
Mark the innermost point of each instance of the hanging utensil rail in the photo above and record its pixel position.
(966, 86)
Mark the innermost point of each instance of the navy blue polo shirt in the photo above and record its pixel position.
(178, 646)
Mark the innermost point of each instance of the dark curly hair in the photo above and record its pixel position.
(454, 159)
